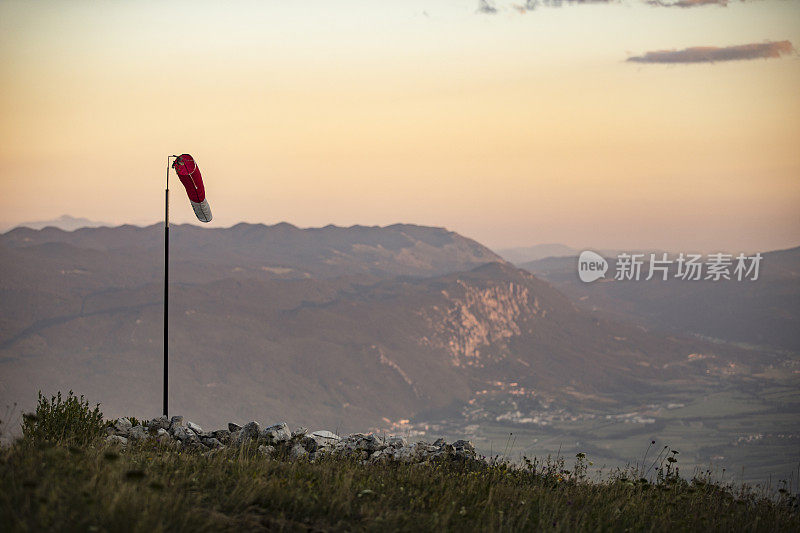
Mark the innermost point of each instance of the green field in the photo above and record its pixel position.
(750, 431)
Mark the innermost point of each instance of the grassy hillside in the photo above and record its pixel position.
(62, 475)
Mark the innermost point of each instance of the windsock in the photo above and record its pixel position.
(189, 174)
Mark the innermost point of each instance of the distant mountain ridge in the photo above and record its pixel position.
(523, 254)
(64, 222)
(364, 323)
(281, 250)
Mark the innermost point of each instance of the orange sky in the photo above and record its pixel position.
(511, 129)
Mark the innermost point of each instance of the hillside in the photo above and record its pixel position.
(248, 250)
(72, 470)
(765, 312)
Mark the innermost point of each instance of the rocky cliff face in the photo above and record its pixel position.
(473, 317)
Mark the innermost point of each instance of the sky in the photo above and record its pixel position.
(600, 124)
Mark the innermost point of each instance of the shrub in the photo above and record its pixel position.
(66, 421)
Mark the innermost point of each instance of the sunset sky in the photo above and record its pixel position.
(514, 127)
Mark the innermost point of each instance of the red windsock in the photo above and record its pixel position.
(189, 174)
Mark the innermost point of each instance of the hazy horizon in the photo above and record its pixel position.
(96, 223)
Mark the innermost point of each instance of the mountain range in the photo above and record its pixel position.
(64, 222)
(362, 324)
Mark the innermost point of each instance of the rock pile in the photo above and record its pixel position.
(278, 440)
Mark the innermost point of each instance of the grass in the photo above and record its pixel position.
(56, 484)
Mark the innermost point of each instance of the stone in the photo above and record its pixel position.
(297, 451)
(266, 450)
(161, 422)
(181, 433)
(368, 443)
(386, 453)
(222, 435)
(277, 433)
(138, 433)
(116, 439)
(439, 442)
(405, 454)
(191, 437)
(464, 446)
(396, 441)
(319, 453)
(194, 427)
(233, 427)
(120, 427)
(174, 422)
(211, 442)
(162, 436)
(250, 431)
(309, 443)
(325, 438)
(299, 432)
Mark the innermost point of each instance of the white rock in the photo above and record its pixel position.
(162, 435)
(405, 454)
(194, 427)
(175, 422)
(222, 435)
(297, 451)
(120, 427)
(380, 454)
(211, 442)
(138, 433)
(277, 433)
(181, 433)
(368, 443)
(396, 441)
(309, 443)
(161, 422)
(191, 437)
(465, 446)
(250, 431)
(116, 439)
(325, 438)
(266, 450)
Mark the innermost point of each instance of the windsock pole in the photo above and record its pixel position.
(166, 291)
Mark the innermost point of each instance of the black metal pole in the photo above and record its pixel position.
(166, 293)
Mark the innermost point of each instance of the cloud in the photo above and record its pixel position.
(484, 6)
(713, 54)
(559, 3)
(688, 3)
(530, 5)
